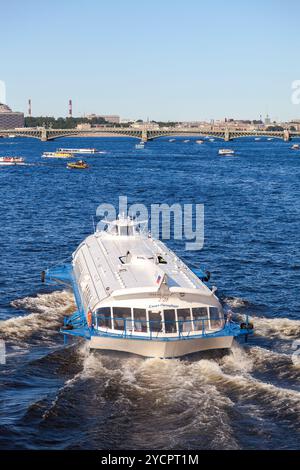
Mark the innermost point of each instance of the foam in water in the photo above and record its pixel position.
(47, 310)
(282, 328)
(235, 302)
(248, 387)
(180, 398)
(203, 393)
(238, 360)
(167, 388)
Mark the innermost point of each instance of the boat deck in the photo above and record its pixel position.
(131, 263)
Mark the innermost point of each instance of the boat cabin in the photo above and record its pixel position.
(160, 321)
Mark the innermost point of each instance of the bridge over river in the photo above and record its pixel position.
(145, 134)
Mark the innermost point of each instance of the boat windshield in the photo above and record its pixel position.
(155, 321)
(167, 321)
(140, 319)
(122, 317)
(104, 317)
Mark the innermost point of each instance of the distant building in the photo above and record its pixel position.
(138, 125)
(295, 123)
(113, 119)
(267, 120)
(83, 126)
(141, 125)
(10, 119)
(126, 121)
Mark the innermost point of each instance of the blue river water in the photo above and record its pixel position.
(56, 396)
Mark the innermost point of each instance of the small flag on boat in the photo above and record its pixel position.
(158, 279)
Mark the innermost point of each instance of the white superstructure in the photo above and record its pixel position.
(87, 150)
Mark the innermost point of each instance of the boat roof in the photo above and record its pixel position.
(132, 263)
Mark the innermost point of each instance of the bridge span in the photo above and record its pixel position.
(145, 134)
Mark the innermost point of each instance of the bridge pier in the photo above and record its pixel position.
(227, 135)
(144, 135)
(286, 135)
(44, 135)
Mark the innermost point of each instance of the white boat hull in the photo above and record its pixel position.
(11, 163)
(161, 349)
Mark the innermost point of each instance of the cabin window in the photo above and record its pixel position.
(200, 315)
(184, 319)
(215, 317)
(122, 318)
(140, 320)
(103, 317)
(155, 321)
(170, 321)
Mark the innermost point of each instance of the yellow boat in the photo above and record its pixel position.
(80, 165)
(57, 155)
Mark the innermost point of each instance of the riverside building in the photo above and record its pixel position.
(10, 119)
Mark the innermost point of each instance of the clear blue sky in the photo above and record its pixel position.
(166, 59)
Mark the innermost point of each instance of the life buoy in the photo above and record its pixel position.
(89, 318)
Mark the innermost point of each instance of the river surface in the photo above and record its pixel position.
(56, 396)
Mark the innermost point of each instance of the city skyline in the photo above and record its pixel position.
(227, 60)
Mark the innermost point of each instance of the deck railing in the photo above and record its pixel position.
(152, 329)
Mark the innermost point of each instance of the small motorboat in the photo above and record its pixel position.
(80, 165)
(226, 152)
(257, 138)
(5, 161)
(211, 140)
(171, 140)
(140, 145)
(270, 138)
(200, 141)
(295, 147)
(186, 141)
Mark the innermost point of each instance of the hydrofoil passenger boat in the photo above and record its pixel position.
(134, 294)
(89, 150)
